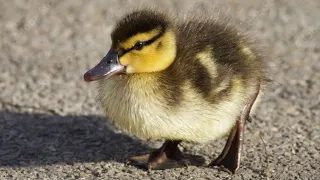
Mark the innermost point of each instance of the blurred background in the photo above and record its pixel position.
(52, 128)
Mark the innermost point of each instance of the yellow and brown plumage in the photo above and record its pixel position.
(178, 81)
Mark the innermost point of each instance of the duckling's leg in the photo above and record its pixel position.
(230, 156)
(168, 156)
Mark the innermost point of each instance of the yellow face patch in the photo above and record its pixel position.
(152, 57)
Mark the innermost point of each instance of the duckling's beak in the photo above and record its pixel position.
(108, 66)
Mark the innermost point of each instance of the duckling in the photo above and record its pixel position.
(179, 80)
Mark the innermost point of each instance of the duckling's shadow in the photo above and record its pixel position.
(41, 139)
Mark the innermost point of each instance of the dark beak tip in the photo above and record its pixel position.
(87, 76)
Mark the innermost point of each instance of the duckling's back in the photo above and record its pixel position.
(215, 59)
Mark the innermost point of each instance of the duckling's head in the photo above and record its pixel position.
(142, 42)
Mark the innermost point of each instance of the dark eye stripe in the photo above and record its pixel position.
(145, 43)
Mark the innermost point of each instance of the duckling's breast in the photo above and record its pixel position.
(136, 105)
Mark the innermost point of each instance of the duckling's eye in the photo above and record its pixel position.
(138, 46)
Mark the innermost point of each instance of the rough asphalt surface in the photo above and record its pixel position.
(52, 128)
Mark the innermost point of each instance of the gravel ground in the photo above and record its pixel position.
(51, 126)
